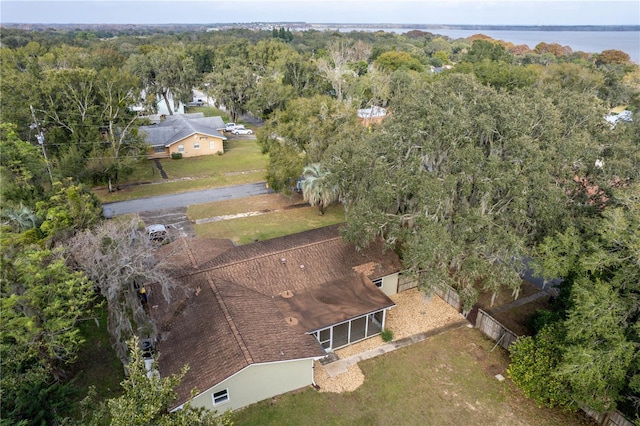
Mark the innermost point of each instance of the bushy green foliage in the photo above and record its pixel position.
(70, 208)
(22, 167)
(387, 335)
(534, 367)
(599, 363)
(42, 302)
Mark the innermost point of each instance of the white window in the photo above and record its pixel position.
(180, 148)
(212, 145)
(378, 282)
(221, 397)
(196, 145)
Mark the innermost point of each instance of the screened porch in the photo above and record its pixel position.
(351, 331)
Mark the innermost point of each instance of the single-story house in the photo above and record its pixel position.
(251, 320)
(191, 135)
(373, 115)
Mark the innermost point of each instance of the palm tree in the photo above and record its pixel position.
(20, 218)
(317, 187)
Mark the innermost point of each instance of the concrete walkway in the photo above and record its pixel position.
(341, 365)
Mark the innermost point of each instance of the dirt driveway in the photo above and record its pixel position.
(175, 219)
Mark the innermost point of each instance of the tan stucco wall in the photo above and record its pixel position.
(258, 382)
(390, 284)
(203, 140)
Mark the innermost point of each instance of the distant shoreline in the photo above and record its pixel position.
(301, 26)
(488, 27)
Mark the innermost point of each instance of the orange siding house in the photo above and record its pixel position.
(191, 135)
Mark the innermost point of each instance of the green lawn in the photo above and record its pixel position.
(265, 226)
(242, 162)
(448, 379)
(208, 112)
(97, 363)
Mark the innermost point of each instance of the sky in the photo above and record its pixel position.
(463, 12)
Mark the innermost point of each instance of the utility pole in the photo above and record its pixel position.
(40, 137)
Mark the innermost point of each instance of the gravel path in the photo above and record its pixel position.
(412, 315)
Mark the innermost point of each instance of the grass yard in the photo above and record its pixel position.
(208, 112)
(276, 223)
(97, 363)
(448, 379)
(242, 162)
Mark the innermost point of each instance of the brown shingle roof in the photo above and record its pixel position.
(186, 255)
(301, 261)
(197, 333)
(333, 302)
(228, 313)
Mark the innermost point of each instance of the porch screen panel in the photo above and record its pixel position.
(325, 338)
(340, 335)
(358, 329)
(374, 325)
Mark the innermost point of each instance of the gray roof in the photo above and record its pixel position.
(175, 128)
(373, 112)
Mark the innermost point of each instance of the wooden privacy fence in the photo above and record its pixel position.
(492, 328)
(611, 419)
(445, 292)
(449, 295)
(407, 282)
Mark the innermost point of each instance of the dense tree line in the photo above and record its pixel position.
(491, 153)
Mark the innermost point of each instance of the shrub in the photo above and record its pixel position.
(387, 335)
(176, 155)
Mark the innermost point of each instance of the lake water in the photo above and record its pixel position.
(584, 41)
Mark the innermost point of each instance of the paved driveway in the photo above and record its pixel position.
(171, 210)
(184, 199)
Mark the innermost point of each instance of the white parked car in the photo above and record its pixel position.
(230, 127)
(239, 130)
(157, 233)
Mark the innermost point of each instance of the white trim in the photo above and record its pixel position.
(225, 395)
(179, 407)
(221, 137)
(351, 319)
(331, 348)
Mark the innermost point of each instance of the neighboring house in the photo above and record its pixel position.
(191, 135)
(250, 322)
(373, 115)
(161, 105)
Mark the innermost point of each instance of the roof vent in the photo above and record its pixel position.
(287, 294)
(292, 321)
(283, 260)
(301, 266)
